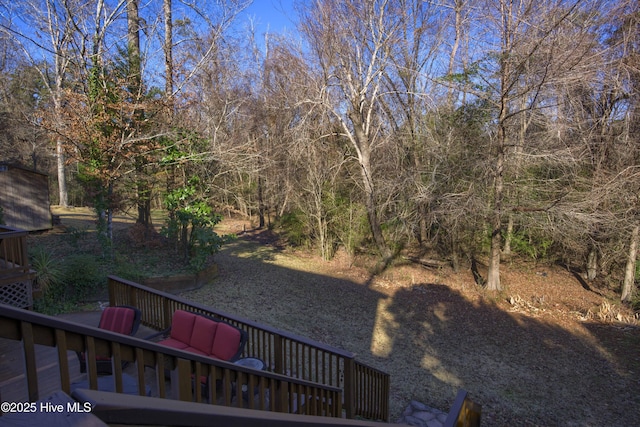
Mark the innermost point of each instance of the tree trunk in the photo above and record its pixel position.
(364, 157)
(507, 238)
(62, 180)
(135, 88)
(493, 273)
(630, 270)
(168, 57)
(592, 264)
(261, 206)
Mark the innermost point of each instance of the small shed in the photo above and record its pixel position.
(24, 198)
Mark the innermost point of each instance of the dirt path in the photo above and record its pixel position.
(535, 355)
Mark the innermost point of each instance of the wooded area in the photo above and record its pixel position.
(468, 129)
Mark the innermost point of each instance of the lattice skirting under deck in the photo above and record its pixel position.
(18, 294)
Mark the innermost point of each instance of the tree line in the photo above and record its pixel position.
(466, 130)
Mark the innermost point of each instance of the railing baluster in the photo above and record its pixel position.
(182, 374)
(63, 360)
(227, 387)
(116, 366)
(92, 369)
(139, 361)
(196, 382)
(30, 360)
(159, 361)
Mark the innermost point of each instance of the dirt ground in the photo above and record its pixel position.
(549, 350)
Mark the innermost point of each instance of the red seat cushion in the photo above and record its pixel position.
(226, 342)
(170, 342)
(182, 326)
(204, 330)
(196, 351)
(117, 319)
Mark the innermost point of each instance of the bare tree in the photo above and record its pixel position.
(52, 32)
(526, 64)
(351, 42)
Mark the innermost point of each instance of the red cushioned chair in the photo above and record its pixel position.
(122, 319)
(204, 335)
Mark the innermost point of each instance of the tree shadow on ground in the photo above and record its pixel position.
(433, 341)
(523, 370)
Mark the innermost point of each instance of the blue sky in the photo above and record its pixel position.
(275, 16)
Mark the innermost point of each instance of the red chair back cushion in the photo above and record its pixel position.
(226, 342)
(182, 326)
(204, 330)
(117, 319)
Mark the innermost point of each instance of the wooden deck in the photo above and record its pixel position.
(13, 386)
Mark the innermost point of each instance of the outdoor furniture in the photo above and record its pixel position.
(251, 362)
(204, 335)
(121, 319)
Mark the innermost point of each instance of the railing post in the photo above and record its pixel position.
(166, 313)
(132, 296)
(278, 354)
(349, 387)
(282, 398)
(111, 285)
(181, 380)
(28, 347)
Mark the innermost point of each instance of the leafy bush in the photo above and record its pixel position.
(82, 276)
(525, 244)
(74, 235)
(350, 224)
(191, 222)
(295, 227)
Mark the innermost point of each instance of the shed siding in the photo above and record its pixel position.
(24, 197)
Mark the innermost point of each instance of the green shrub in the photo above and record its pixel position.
(350, 224)
(74, 235)
(527, 245)
(295, 227)
(79, 280)
(47, 268)
(82, 276)
(190, 224)
(56, 299)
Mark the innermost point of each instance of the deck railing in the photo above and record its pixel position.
(365, 390)
(13, 251)
(464, 412)
(226, 384)
(15, 274)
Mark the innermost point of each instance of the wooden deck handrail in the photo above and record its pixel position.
(5, 230)
(16, 277)
(464, 412)
(135, 410)
(13, 250)
(271, 391)
(196, 307)
(366, 390)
